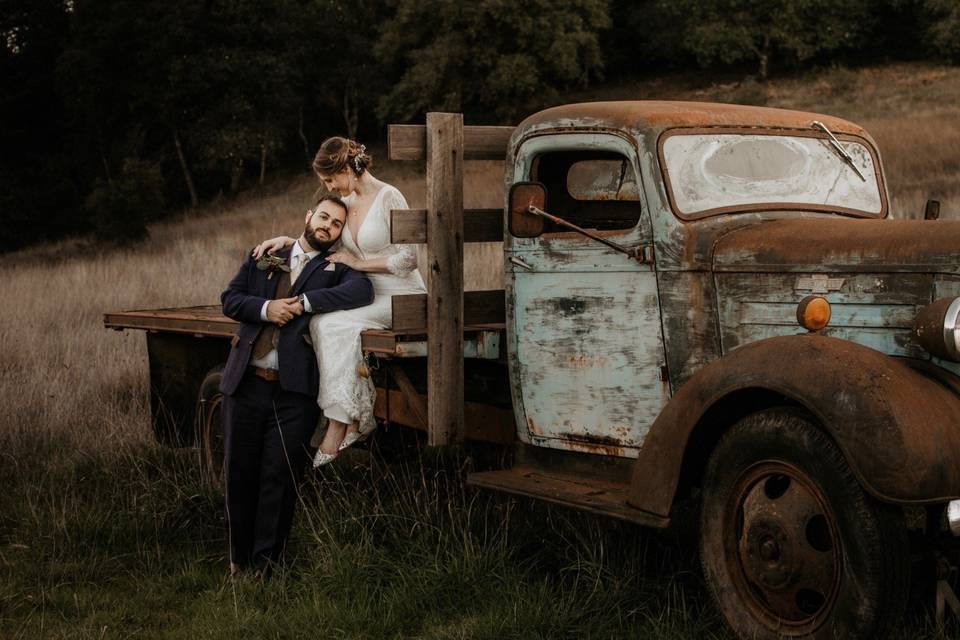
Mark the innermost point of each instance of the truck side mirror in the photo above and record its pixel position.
(522, 223)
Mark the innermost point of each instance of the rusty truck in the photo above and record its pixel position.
(701, 301)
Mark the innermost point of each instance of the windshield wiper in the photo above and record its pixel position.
(836, 147)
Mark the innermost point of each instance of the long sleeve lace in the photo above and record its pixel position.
(404, 258)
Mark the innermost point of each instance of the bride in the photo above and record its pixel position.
(346, 397)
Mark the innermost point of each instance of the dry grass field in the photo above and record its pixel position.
(105, 534)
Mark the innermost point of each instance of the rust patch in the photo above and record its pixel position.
(659, 114)
(604, 441)
(605, 445)
(584, 361)
(896, 427)
(858, 245)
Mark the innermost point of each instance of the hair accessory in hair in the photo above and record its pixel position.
(358, 158)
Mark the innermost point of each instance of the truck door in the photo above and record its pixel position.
(585, 343)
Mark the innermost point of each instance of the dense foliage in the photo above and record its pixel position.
(758, 30)
(115, 112)
(489, 56)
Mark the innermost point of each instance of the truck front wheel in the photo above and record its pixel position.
(210, 426)
(790, 543)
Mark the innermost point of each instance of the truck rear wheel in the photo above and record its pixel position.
(210, 426)
(790, 544)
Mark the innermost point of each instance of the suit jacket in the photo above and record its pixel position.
(327, 290)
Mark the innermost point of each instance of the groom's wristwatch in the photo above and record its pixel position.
(303, 300)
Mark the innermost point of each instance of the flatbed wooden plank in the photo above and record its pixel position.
(202, 321)
(409, 142)
(409, 226)
(204, 312)
(379, 341)
(393, 344)
(209, 321)
(420, 333)
(479, 307)
(586, 494)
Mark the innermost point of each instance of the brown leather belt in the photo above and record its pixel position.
(267, 374)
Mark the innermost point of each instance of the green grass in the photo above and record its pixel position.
(130, 542)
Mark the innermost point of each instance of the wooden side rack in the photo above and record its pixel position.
(445, 310)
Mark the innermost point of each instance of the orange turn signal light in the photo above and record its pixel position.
(813, 313)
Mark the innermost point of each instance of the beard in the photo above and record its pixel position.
(310, 235)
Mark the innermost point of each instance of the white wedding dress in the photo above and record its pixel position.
(344, 394)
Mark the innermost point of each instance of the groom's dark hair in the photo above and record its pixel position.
(337, 200)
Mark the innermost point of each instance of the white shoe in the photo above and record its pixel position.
(353, 437)
(350, 439)
(322, 458)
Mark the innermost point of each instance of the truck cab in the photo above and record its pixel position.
(599, 340)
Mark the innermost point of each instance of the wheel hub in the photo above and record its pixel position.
(769, 549)
(787, 546)
(765, 554)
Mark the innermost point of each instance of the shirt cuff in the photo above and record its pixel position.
(263, 311)
(307, 307)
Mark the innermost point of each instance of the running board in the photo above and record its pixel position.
(586, 494)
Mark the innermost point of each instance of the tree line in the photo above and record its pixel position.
(115, 112)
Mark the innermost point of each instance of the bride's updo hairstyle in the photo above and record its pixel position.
(338, 153)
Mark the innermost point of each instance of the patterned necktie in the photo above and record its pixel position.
(297, 268)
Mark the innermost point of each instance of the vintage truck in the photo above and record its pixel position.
(701, 301)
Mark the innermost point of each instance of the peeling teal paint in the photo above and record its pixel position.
(584, 335)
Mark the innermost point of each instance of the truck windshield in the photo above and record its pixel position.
(712, 173)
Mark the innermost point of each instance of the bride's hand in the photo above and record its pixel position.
(272, 245)
(343, 257)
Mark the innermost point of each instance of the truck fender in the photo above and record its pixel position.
(898, 429)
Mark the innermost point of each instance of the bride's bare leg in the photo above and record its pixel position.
(353, 428)
(331, 440)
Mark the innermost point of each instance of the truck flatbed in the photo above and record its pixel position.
(179, 362)
(480, 340)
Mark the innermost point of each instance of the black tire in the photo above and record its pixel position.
(210, 426)
(791, 545)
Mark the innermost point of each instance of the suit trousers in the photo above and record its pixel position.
(267, 434)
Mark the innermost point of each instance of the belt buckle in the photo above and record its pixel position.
(270, 375)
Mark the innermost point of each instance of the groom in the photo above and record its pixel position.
(270, 382)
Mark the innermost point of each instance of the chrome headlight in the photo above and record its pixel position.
(937, 328)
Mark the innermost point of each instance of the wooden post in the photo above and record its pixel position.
(445, 295)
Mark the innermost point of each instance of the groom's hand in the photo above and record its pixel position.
(281, 311)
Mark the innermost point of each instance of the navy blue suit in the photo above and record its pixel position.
(268, 424)
(342, 288)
